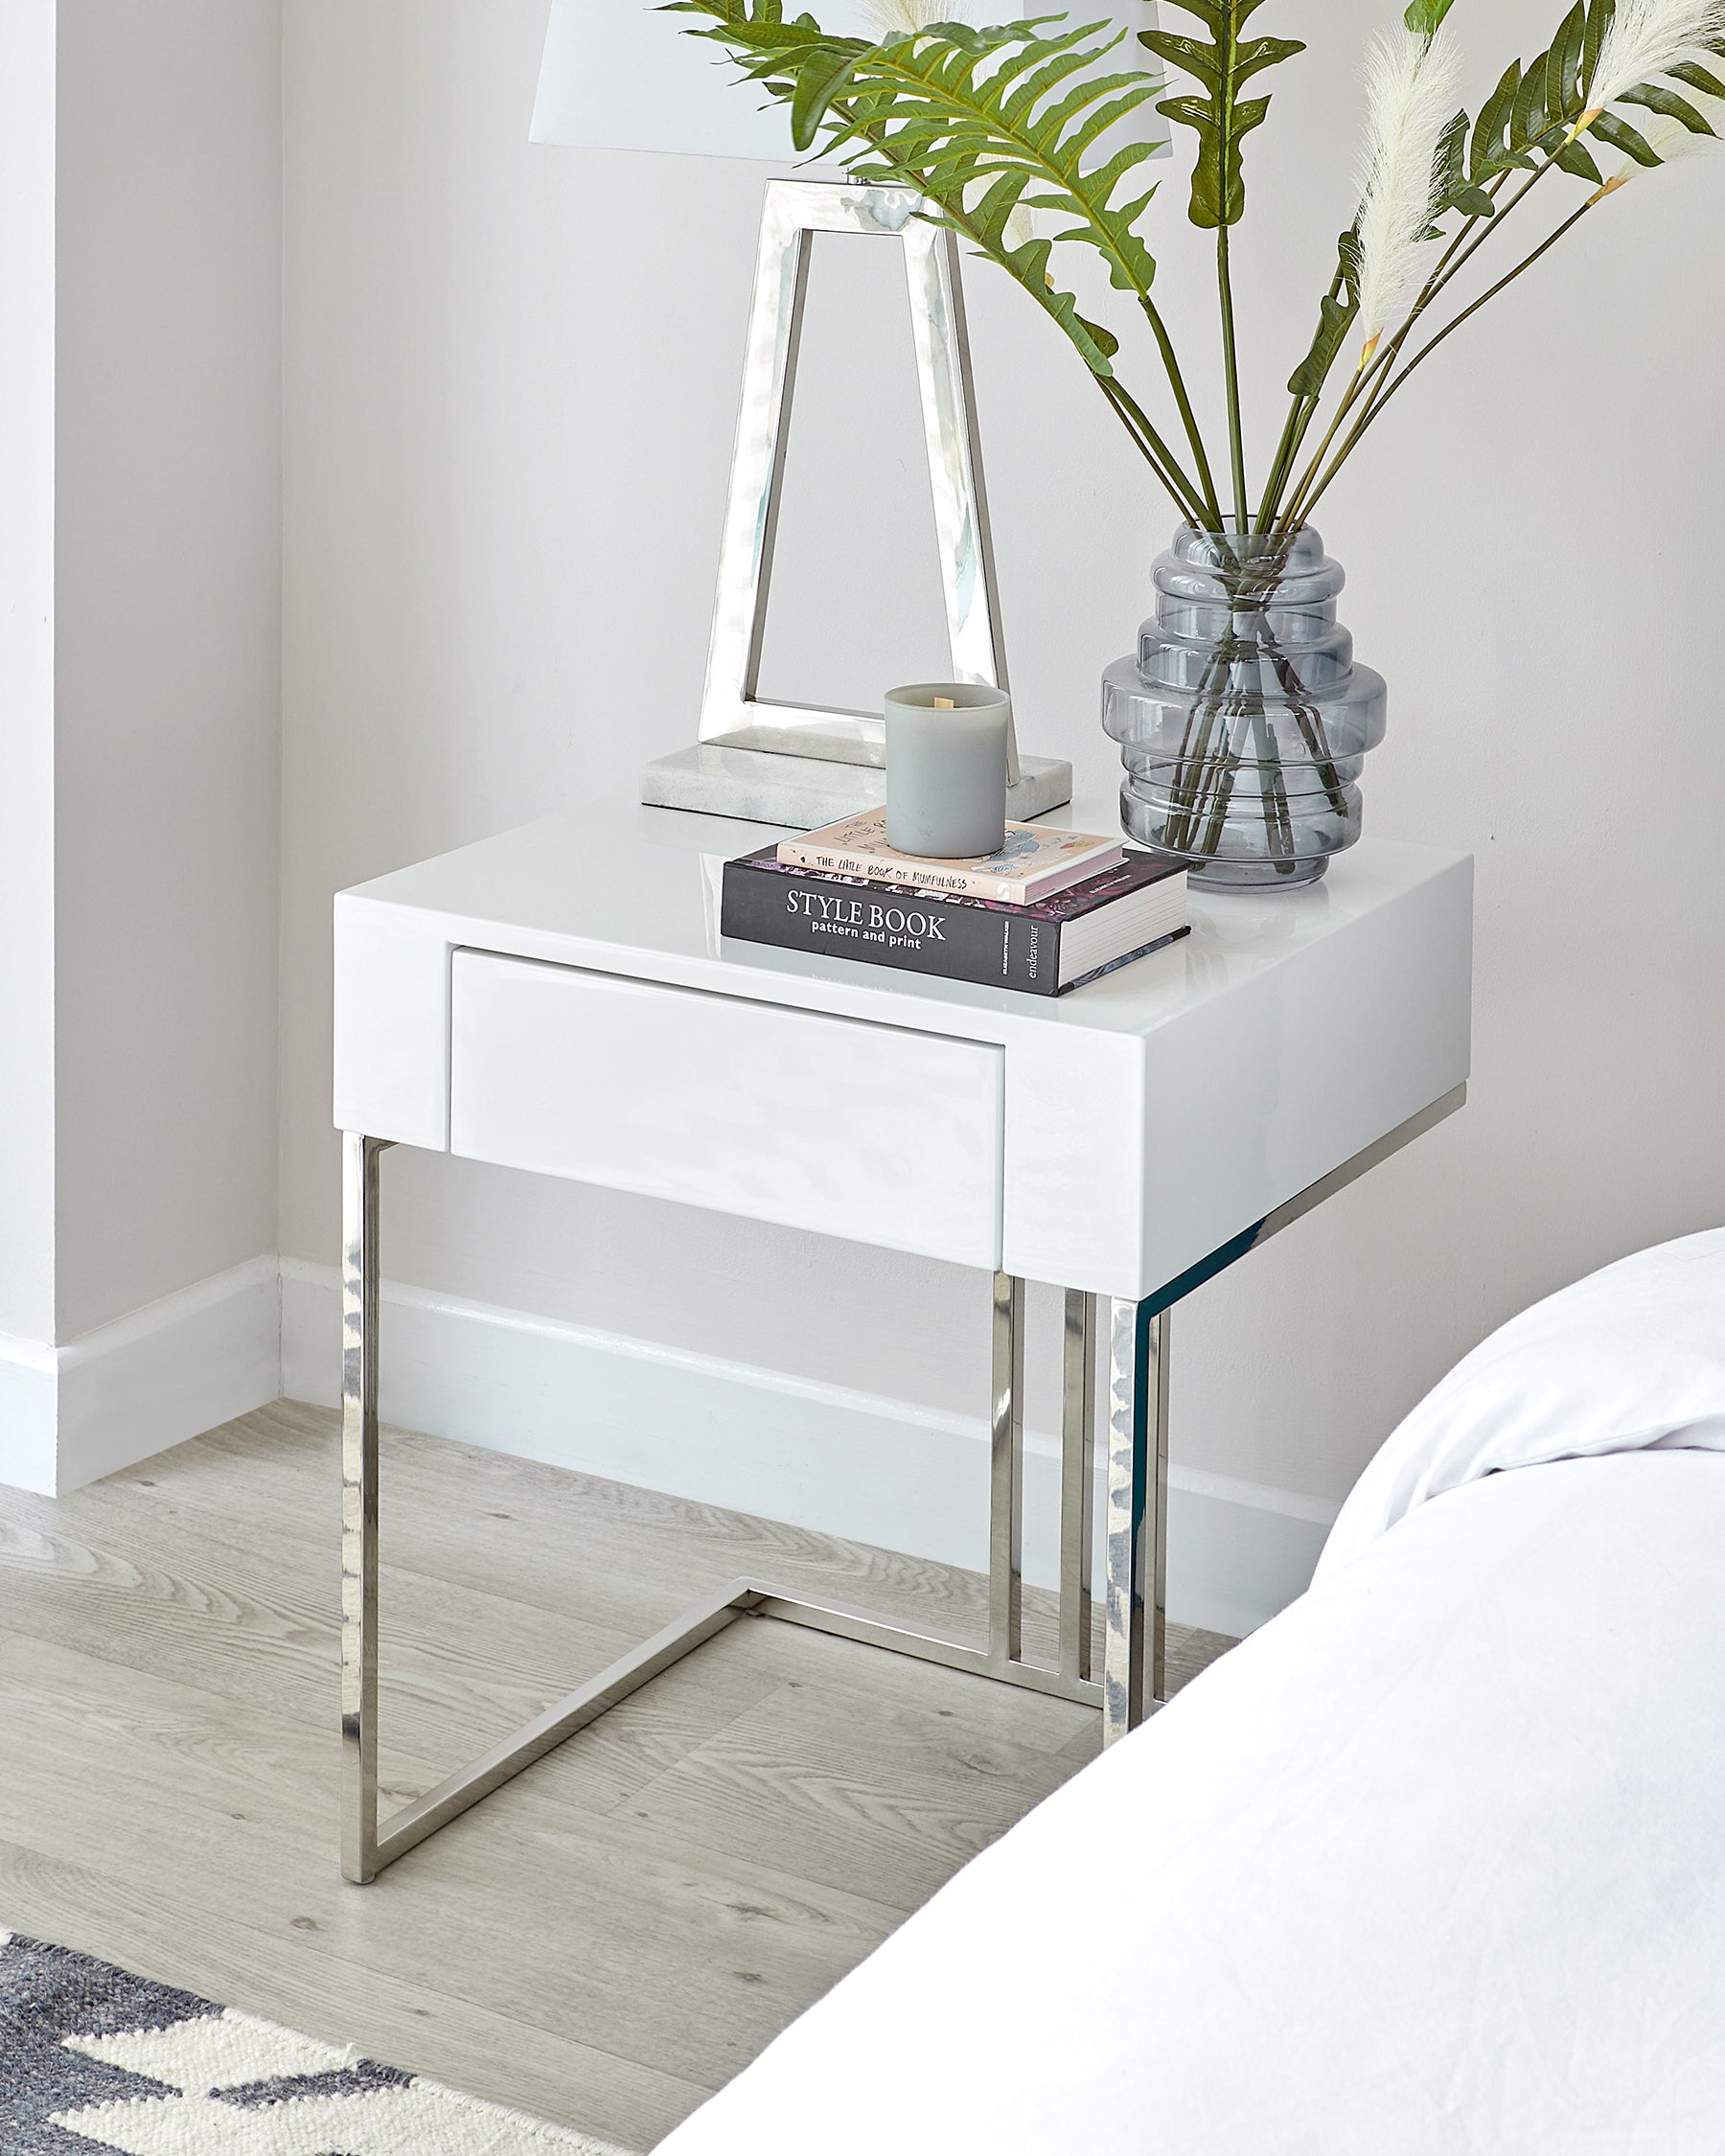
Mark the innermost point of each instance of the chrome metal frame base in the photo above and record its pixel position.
(1131, 1682)
(1132, 1662)
(743, 1597)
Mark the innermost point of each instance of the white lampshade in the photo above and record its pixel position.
(619, 74)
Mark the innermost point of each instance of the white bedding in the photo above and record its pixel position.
(1434, 1862)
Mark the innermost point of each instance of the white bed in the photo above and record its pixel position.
(1434, 1862)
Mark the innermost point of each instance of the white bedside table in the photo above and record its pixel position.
(559, 999)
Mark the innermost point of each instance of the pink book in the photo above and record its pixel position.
(1033, 865)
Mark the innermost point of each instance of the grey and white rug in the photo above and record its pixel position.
(92, 2058)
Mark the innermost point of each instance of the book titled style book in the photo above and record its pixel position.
(1044, 948)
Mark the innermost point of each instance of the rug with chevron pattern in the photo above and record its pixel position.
(92, 2058)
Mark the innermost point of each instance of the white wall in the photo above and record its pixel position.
(510, 390)
(167, 645)
(140, 453)
(27, 137)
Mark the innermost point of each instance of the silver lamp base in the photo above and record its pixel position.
(767, 761)
(756, 785)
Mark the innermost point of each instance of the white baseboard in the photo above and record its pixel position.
(71, 1414)
(824, 1456)
(816, 1455)
(29, 1414)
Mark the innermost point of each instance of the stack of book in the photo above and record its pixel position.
(1051, 911)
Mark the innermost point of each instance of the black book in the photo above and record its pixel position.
(1045, 948)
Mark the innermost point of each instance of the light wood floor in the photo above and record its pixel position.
(606, 1940)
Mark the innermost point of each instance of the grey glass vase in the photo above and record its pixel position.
(1243, 721)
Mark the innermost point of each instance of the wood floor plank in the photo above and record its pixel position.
(632, 1535)
(674, 1545)
(547, 1568)
(720, 1948)
(611, 1936)
(460, 1668)
(389, 2014)
(895, 1794)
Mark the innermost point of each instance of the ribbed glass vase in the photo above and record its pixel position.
(1243, 721)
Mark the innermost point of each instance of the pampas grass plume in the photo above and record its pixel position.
(1648, 38)
(1410, 87)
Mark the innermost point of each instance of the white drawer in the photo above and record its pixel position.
(868, 1132)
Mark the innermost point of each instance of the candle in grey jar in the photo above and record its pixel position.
(946, 769)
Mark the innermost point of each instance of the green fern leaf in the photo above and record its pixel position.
(1656, 98)
(1453, 186)
(1488, 151)
(1563, 84)
(1221, 65)
(1598, 19)
(1698, 77)
(1335, 318)
(1337, 312)
(1575, 157)
(1527, 118)
(1621, 135)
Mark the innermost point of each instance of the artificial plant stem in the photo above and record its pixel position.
(1448, 330)
(1290, 519)
(1455, 256)
(1463, 244)
(1210, 514)
(1286, 450)
(1302, 412)
(1366, 378)
(1152, 448)
(1461, 251)
(1236, 448)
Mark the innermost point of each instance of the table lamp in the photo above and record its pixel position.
(617, 75)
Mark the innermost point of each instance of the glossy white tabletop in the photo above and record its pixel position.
(1147, 1118)
(625, 889)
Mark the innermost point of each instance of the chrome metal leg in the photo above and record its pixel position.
(1006, 1480)
(360, 1182)
(1077, 1480)
(1133, 1671)
(1162, 1328)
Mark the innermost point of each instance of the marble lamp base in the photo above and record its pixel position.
(758, 785)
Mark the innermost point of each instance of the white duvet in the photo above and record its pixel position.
(1434, 1862)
